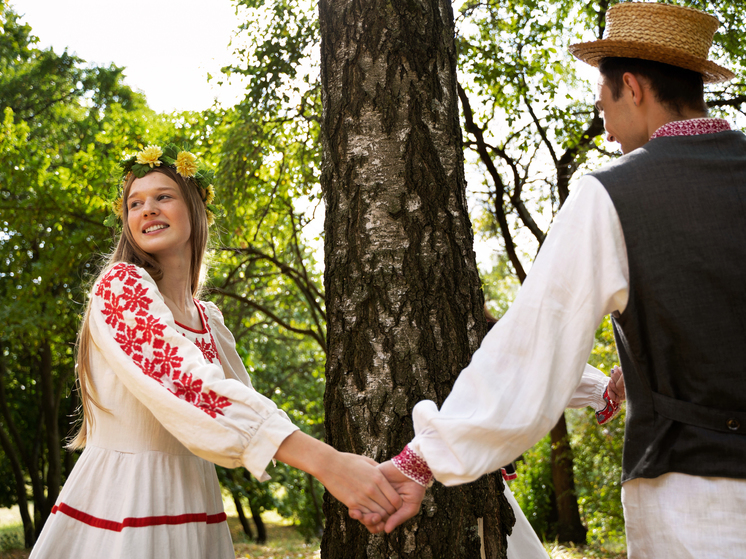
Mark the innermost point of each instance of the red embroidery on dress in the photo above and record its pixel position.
(212, 403)
(188, 389)
(149, 327)
(139, 521)
(165, 364)
(209, 349)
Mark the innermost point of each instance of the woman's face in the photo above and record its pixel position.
(158, 216)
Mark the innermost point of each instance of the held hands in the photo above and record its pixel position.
(354, 480)
(358, 483)
(411, 494)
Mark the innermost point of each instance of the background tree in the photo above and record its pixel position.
(404, 305)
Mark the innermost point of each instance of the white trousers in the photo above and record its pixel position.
(685, 517)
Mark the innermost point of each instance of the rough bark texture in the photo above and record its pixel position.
(404, 305)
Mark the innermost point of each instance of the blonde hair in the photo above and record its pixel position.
(128, 251)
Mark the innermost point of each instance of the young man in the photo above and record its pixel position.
(658, 240)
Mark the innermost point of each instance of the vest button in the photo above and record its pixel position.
(733, 425)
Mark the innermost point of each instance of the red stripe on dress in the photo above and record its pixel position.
(138, 522)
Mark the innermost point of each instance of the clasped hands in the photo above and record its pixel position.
(378, 495)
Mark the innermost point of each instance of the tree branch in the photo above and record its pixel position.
(484, 155)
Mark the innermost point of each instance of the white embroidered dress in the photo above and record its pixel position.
(178, 399)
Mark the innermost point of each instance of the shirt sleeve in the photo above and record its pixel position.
(590, 391)
(216, 418)
(530, 363)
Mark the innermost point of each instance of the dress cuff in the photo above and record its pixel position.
(413, 466)
(610, 411)
(265, 442)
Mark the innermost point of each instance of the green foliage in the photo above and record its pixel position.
(500, 286)
(533, 488)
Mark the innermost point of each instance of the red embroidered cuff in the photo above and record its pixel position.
(610, 411)
(414, 467)
(508, 476)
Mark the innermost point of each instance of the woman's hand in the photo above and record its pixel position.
(354, 480)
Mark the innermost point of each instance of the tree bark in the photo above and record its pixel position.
(261, 529)
(52, 430)
(29, 533)
(404, 305)
(241, 515)
(569, 526)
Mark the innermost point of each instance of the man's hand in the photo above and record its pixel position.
(616, 385)
(410, 492)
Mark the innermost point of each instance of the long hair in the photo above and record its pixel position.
(128, 251)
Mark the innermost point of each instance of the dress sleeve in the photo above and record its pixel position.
(524, 374)
(590, 391)
(217, 418)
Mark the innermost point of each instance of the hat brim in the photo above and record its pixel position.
(594, 51)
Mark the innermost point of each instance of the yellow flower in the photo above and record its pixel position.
(149, 156)
(186, 164)
(210, 195)
(210, 218)
(116, 207)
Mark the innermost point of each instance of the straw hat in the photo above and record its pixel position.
(673, 35)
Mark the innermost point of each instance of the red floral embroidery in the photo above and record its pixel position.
(129, 341)
(146, 335)
(152, 368)
(209, 350)
(149, 328)
(135, 300)
(114, 314)
(188, 389)
(691, 127)
(119, 272)
(610, 411)
(212, 403)
(169, 360)
(413, 466)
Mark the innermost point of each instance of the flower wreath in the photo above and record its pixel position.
(183, 161)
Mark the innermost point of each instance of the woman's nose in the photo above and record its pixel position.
(149, 207)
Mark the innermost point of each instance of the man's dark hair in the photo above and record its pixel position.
(675, 88)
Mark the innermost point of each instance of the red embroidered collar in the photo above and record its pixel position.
(692, 127)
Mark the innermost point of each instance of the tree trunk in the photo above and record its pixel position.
(241, 516)
(404, 305)
(569, 526)
(29, 533)
(317, 513)
(261, 529)
(52, 431)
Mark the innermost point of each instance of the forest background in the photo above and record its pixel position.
(530, 128)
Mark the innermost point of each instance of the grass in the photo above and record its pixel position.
(284, 542)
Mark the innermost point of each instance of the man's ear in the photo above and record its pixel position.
(634, 87)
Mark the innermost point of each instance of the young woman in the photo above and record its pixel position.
(165, 394)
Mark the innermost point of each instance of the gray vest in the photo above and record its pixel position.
(682, 337)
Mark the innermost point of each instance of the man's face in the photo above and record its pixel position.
(623, 121)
